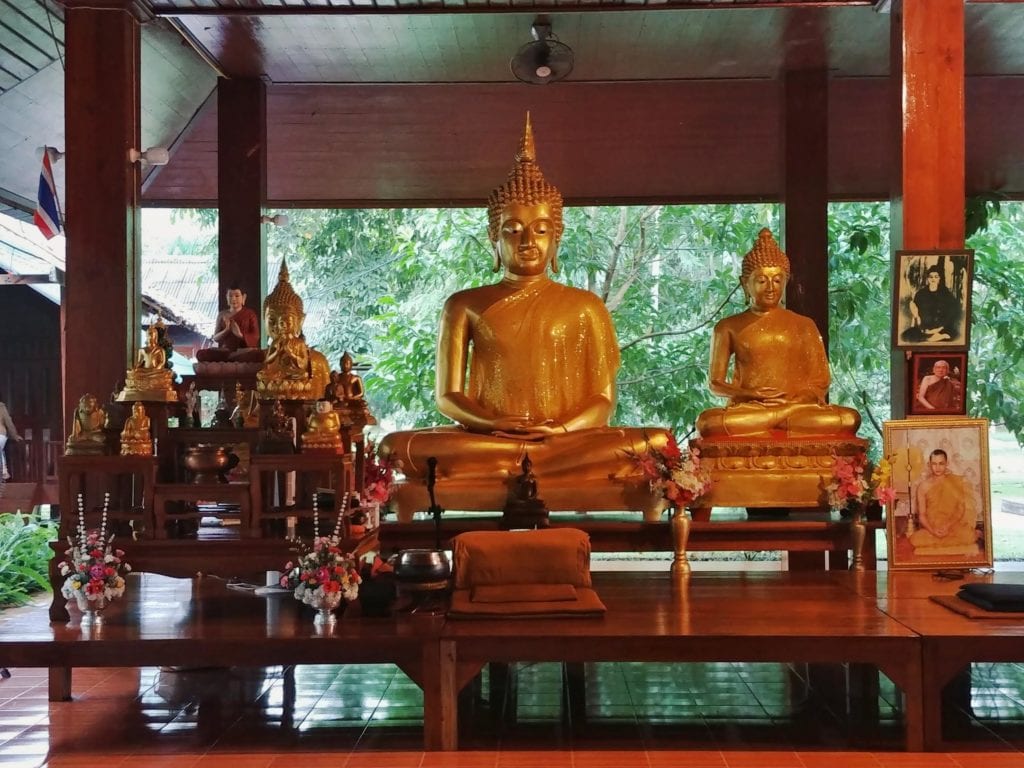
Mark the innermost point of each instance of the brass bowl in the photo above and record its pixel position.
(207, 462)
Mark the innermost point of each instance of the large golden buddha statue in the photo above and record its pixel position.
(780, 374)
(291, 370)
(524, 364)
(150, 380)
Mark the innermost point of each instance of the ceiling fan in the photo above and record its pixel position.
(544, 59)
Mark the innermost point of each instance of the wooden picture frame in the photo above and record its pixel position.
(937, 384)
(932, 299)
(941, 517)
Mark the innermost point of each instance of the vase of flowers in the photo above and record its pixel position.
(856, 487)
(378, 476)
(323, 575)
(674, 474)
(94, 570)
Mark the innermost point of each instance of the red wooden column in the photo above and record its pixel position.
(101, 306)
(242, 186)
(805, 193)
(928, 77)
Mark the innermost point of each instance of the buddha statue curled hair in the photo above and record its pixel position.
(526, 185)
(765, 253)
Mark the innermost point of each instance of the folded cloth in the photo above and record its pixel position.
(545, 556)
(523, 593)
(994, 597)
(586, 604)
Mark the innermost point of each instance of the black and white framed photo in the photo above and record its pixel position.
(932, 299)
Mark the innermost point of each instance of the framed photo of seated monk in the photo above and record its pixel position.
(941, 516)
(932, 299)
(937, 384)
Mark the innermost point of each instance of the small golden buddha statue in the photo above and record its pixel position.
(524, 363)
(136, 439)
(323, 429)
(86, 438)
(780, 374)
(150, 380)
(348, 394)
(291, 370)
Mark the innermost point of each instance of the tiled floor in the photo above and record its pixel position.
(657, 715)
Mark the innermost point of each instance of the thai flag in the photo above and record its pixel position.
(47, 215)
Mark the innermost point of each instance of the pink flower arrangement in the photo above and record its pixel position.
(856, 484)
(673, 472)
(94, 569)
(378, 475)
(323, 575)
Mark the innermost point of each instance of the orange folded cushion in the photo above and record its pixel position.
(545, 556)
(586, 605)
(519, 593)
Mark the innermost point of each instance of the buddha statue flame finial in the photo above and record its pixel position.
(283, 298)
(526, 185)
(765, 253)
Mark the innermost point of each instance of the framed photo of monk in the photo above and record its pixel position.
(941, 517)
(937, 383)
(932, 299)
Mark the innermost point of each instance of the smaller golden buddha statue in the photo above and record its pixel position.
(323, 429)
(291, 370)
(781, 376)
(136, 439)
(348, 394)
(150, 380)
(86, 438)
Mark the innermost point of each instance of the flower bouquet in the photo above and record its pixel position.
(323, 575)
(378, 476)
(674, 473)
(857, 485)
(93, 570)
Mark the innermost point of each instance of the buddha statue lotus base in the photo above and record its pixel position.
(131, 394)
(608, 495)
(768, 472)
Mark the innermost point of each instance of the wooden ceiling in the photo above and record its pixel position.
(402, 102)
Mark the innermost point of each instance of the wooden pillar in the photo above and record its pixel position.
(242, 186)
(101, 302)
(805, 193)
(927, 209)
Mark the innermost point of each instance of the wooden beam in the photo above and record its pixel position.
(101, 306)
(241, 186)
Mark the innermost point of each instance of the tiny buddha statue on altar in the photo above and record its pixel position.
(348, 394)
(780, 373)
(291, 370)
(524, 509)
(278, 435)
(323, 429)
(87, 437)
(136, 439)
(526, 363)
(150, 379)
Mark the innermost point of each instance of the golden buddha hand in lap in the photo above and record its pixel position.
(290, 369)
(780, 375)
(525, 362)
(150, 378)
(87, 427)
(136, 439)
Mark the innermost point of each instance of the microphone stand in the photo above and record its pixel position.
(434, 509)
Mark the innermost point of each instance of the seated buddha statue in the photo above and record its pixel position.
(86, 438)
(291, 370)
(323, 429)
(348, 394)
(136, 439)
(525, 363)
(780, 375)
(150, 379)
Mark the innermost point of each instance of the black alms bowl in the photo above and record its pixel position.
(421, 565)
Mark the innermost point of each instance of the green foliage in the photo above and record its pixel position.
(24, 556)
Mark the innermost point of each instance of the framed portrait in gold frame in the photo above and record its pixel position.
(941, 516)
